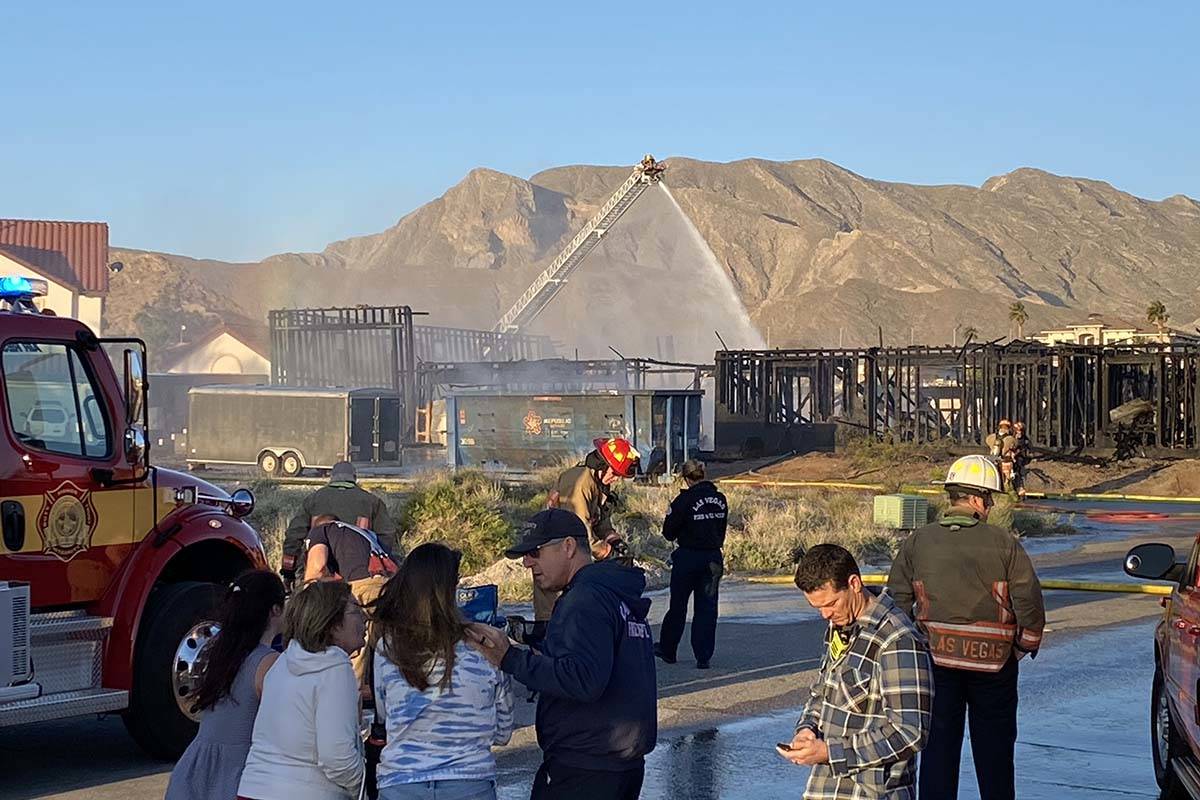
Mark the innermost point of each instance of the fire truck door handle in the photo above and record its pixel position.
(13, 514)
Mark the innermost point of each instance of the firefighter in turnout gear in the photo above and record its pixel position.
(586, 491)
(343, 499)
(972, 589)
(1002, 447)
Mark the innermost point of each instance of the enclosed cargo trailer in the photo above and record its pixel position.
(286, 429)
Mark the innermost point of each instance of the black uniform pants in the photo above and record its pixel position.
(558, 782)
(989, 701)
(693, 573)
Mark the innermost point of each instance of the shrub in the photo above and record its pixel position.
(1042, 523)
(868, 454)
(274, 508)
(470, 511)
(466, 509)
(768, 530)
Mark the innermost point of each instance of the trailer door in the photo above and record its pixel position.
(362, 429)
(389, 429)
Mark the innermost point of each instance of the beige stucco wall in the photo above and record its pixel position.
(1099, 334)
(223, 355)
(91, 313)
(60, 299)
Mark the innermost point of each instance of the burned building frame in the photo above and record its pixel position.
(1073, 398)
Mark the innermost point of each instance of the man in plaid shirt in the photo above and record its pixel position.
(868, 714)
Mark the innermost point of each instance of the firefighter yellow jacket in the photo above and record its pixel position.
(580, 492)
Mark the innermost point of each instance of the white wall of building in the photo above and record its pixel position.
(60, 299)
(224, 355)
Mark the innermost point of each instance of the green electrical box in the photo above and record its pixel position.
(902, 511)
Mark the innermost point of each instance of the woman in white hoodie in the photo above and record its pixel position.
(306, 743)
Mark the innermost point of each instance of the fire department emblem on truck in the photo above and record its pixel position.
(67, 521)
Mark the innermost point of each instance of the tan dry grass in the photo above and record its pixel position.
(472, 512)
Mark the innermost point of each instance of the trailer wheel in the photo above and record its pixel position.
(176, 618)
(291, 465)
(268, 462)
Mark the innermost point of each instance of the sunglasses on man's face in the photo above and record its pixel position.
(537, 552)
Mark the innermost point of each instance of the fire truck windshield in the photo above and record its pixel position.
(53, 402)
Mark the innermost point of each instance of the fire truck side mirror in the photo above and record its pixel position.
(135, 388)
(135, 444)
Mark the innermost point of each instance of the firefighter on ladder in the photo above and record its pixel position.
(972, 589)
(586, 491)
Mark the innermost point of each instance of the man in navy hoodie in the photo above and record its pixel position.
(597, 714)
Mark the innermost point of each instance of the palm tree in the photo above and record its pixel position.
(1156, 315)
(970, 332)
(1017, 314)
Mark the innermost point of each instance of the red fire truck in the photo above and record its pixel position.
(109, 567)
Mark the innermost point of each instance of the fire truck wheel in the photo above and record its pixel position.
(291, 465)
(155, 718)
(1165, 742)
(268, 462)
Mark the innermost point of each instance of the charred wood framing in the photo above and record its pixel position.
(1064, 393)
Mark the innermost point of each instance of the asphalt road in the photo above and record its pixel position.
(1084, 713)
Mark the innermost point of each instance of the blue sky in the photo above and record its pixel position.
(235, 131)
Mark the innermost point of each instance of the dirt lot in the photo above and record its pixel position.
(916, 466)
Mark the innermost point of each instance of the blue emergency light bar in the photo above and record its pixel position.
(18, 287)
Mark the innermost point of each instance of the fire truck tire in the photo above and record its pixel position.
(291, 465)
(154, 718)
(268, 462)
(1166, 743)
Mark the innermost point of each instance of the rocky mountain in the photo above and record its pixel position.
(817, 255)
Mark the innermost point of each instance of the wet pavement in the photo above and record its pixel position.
(1084, 732)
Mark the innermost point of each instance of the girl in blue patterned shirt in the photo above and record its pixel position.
(444, 704)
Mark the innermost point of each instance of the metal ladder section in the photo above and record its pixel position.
(67, 650)
(547, 284)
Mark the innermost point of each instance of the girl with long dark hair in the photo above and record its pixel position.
(444, 704)
(234, 664)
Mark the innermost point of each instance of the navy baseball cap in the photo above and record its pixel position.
(545, 527)
(343, 471)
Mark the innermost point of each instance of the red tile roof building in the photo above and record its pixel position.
(73, 254)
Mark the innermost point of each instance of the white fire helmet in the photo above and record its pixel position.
(975, 473)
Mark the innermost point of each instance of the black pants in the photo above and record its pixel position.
(989, 701)
(698, 573)
(558, 782)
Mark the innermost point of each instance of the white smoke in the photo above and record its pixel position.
(651, 288)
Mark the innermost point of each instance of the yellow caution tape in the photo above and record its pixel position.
(1101, 586)
(879, 579)
(929, 490)
(872, 487)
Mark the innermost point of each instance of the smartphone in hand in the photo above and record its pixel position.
(784, 747)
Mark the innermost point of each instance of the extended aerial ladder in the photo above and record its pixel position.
(551, 279)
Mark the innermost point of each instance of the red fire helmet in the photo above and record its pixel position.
(620, 455)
